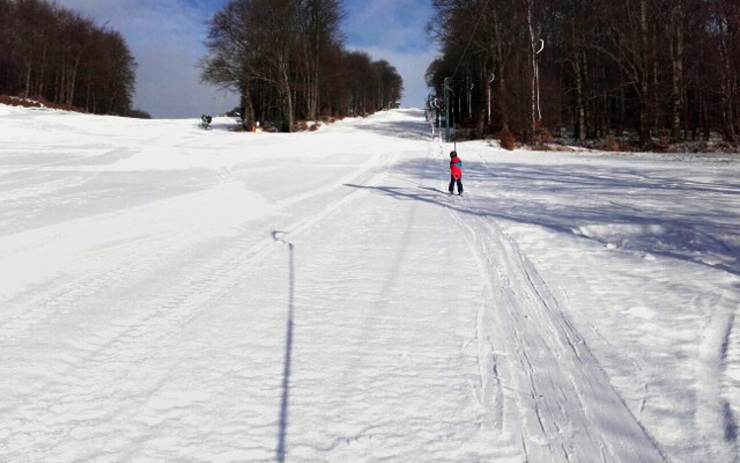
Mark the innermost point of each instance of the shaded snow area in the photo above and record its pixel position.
(181, 295)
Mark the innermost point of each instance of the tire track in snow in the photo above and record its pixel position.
(194, 282)
(563, 405)
(713, 414)
(488, 390)
(29, 309)
(409, 362)
(143, 254)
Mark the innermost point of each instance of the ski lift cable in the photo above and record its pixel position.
(470, 40)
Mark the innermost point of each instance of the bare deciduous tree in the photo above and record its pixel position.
(638, 65)
(51, 53)
(287, 54)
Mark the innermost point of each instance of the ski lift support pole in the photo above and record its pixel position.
(447, 108)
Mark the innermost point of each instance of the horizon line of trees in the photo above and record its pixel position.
(53, 54)
(286, 60)
(656, 68)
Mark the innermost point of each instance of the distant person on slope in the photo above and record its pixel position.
(455, 173)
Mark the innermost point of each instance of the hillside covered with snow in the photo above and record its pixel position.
(175, 294)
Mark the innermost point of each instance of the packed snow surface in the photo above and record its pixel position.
(174, 294)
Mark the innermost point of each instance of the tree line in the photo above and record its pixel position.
(53, 54)
(286, 60)
(659, 69)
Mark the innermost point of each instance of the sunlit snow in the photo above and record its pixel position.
(174, 294)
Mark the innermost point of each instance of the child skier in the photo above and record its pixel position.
(455, 173)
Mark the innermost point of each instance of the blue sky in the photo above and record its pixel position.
(166, 38)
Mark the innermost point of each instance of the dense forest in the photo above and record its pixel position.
(52, 54)
(663, 71)
(286, 60)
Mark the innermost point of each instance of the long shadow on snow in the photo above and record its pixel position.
(410, 129)
(626, 207)
(283, 417)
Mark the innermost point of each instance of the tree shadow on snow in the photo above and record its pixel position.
(406, 128)
(643, 209)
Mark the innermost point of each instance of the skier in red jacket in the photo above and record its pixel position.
(455, 173)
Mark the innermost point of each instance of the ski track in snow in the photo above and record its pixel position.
(712, 423)
(558, 387)
(172, 294)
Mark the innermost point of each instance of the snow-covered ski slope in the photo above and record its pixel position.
(174, 294)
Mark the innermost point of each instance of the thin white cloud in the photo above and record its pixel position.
(166, 39)
(394, 30)
(169, 81)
